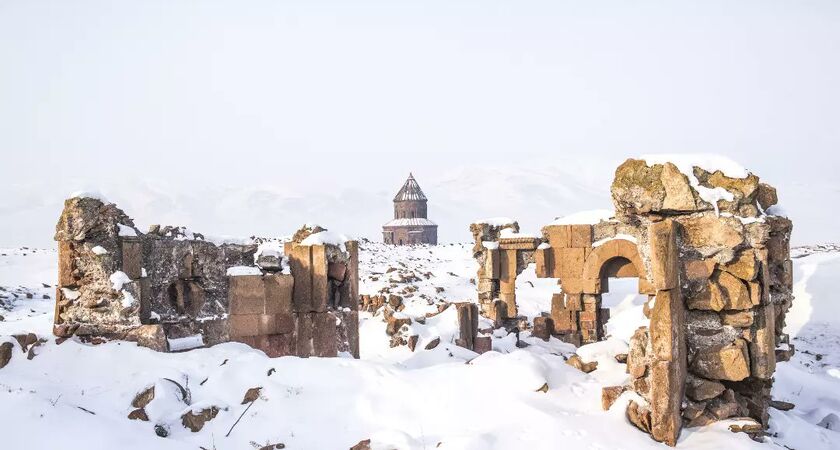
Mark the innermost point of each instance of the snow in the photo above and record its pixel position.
(590, 217)
(622, 236)
(126, 231)
(237, 271)
(444, 398)
(709, 162)
(96, 195)
(127, 299)
(510, 234)
(186, 343)
(118, 279)
(544, 246)
(496, 221)
(99, 250)
(490, 245)
(326, 238)
(71, 294)
(414, 222)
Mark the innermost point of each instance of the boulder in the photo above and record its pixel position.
(730, 362)
(639, 189)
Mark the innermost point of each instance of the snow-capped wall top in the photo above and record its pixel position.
(590, 217)
(707, 161)
(326, 237)
(496, 221)
(96, 195)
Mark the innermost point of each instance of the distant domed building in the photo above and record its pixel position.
(411, 224)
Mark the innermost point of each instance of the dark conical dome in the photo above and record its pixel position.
(410, 191)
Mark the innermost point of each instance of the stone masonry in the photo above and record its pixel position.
(716, 270)
(170, 290)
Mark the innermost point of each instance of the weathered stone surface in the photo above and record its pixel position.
(5, 353)
(433, 343)
(195, 420)
(766, 195)
(664, 254)
(744, 266)
(483, 344)
(679, 195)
(723, 291)
(278, 293)
(763, 344)
(637, 357)
(543, 328)
(709, 233)
(639, 416)
(699, 389)
(730, 362)
(586, 367)
(610, 394)
(737, 318)
(138, 414)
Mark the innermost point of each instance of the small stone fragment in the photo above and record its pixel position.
(251, 395)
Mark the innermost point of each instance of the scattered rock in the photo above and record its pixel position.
(577, 363)
(273, 446)
(543, 388)
(412, 342)
(144, 397)
(161, 430)
(610, 394)
(434, 343)
(195, 421)
(781, 406)
(5, 353)
(621, 358)
(252, 395)
(362, 445)
(138, 414)
(639, 416)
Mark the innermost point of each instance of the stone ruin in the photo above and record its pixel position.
(716, 268)
(172, 290)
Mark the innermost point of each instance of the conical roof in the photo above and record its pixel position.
(410, 191)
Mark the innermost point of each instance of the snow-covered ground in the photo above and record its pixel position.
(74, 395)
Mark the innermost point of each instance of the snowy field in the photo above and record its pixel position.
(74, 395)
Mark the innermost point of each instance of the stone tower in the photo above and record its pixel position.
(411, 224)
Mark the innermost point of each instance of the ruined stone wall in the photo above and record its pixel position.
(717, 271)
(169, 286)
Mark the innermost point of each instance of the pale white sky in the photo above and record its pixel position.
(251, 116)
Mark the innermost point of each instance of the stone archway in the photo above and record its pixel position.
(616, 258)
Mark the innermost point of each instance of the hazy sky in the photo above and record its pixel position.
(264, 111)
